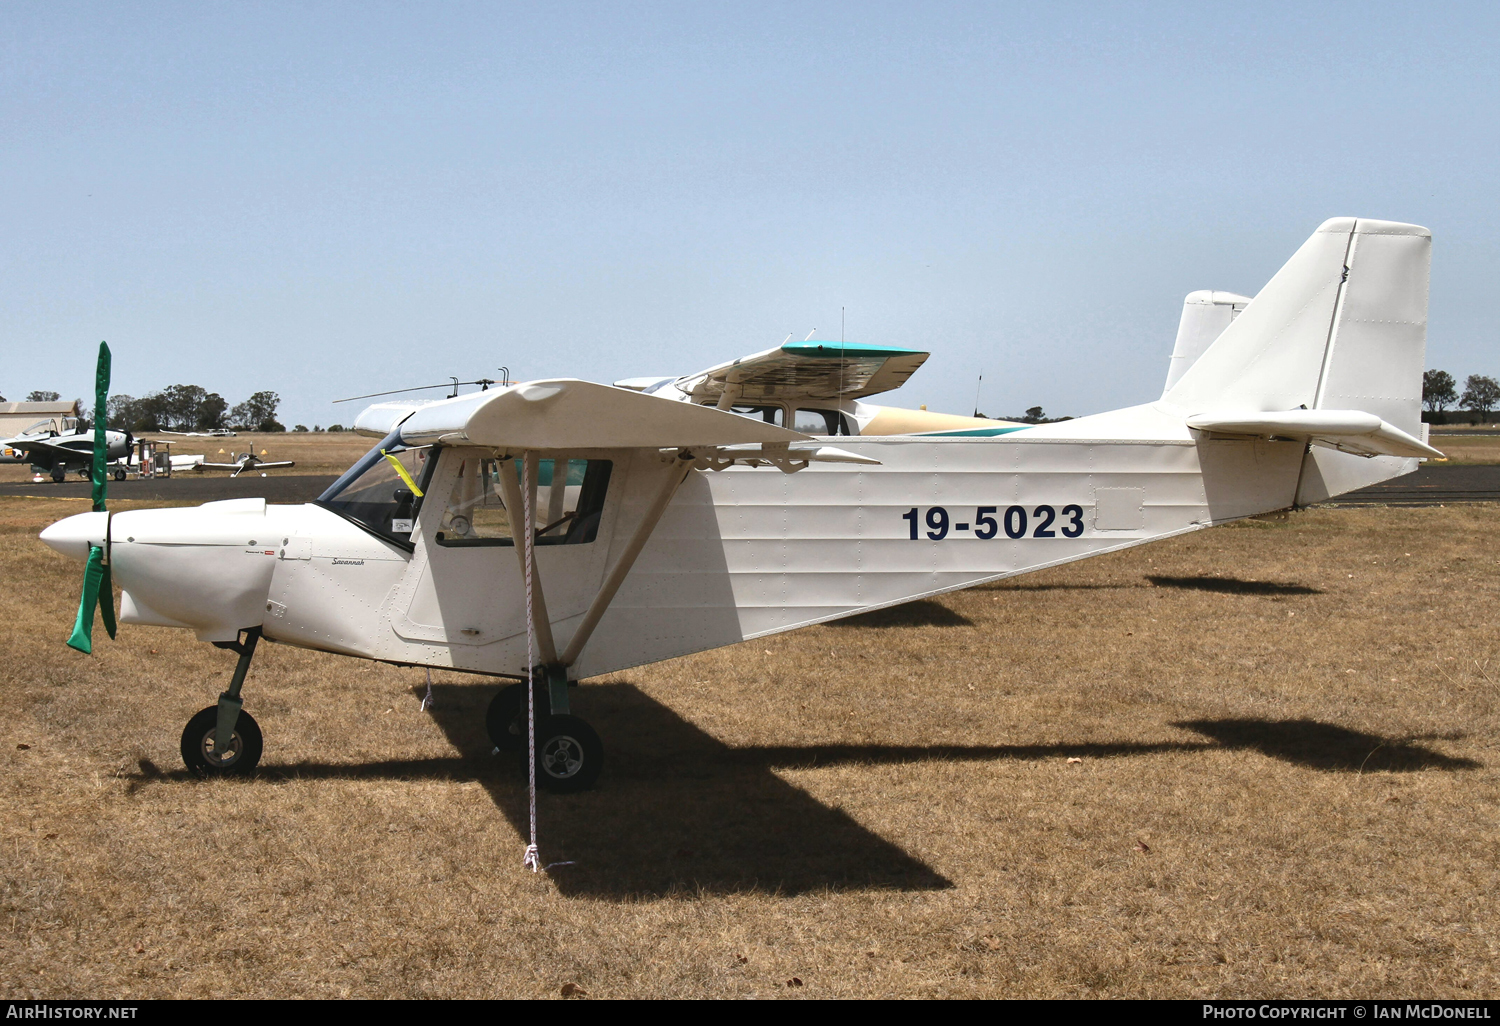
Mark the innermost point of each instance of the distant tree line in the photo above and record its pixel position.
(192, 408)
(1481, 394)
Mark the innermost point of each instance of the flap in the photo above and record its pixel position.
(565, 413)
(1347, 430)
(808, 370)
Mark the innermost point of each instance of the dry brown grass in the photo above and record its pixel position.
(1468, 448)
(1255, 761)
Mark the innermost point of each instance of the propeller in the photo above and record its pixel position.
(98, 589)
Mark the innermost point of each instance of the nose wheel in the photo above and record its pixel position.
(224, 740)
(200, 751)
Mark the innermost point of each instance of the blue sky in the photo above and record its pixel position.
(326, 199)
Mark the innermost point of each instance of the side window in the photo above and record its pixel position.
(757, 411)
(570, 499)
(475, 511)
(820, 422)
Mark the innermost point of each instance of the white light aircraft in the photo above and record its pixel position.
(242, 462)
(662, 526)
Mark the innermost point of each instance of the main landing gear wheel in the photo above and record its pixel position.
(119, 475)
(569, 755)
(245, 745)
(59, 474)
(505, 719)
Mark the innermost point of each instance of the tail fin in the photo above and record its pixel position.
(1341, 327)
(1205, 315)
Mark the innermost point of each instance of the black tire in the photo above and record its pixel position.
(505, 719)
(59, 474)
(246, 745)
(119, 475)
(569, 755)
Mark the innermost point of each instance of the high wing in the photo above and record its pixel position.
(565, 413)
(807, 370)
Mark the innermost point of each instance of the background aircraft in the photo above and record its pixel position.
(818, 388)
(55, 453)
(245, 461)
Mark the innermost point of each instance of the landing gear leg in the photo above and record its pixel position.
(223, 739)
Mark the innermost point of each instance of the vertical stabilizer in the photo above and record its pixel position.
(1205, 315)
(1342, 326)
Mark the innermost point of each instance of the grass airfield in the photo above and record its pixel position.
(1255, 761)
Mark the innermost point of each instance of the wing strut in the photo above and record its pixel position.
(622, 566)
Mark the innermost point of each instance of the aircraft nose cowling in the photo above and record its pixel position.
(207, 568)
(73, 535)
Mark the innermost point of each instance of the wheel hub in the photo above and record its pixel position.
(562, 757)
(236, 746)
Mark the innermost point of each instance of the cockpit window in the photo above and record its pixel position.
(820, 422)
(376, 495)
(570, 500)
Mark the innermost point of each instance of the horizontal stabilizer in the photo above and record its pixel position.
(566, 413)
(1346, 430)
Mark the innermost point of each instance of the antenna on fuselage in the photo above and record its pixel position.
(842, 349)
(976, 391)
(810, 334)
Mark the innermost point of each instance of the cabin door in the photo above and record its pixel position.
(464, 585)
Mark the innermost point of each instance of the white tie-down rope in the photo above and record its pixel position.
(427, 700)
(532, 857)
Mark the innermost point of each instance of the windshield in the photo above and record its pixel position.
(378, 496)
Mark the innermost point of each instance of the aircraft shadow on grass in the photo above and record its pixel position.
(1327, 747)
(921, 613)
(680, 811)
(1232, 586)
(1223, 585)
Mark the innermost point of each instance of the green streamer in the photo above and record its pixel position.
(98, 588)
